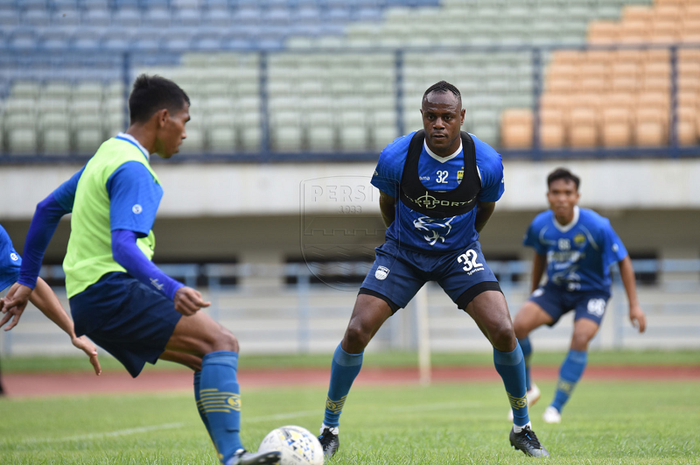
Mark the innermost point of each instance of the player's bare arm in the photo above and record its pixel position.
(484, 210)
(46, 300)
(637, 316)
(539, 264)
(387, 205)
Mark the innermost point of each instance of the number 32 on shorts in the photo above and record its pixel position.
(468, 258)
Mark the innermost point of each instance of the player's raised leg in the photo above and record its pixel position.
(573, 367)
(530, 317)
(368, 315)
(219, 393)
(490, 312)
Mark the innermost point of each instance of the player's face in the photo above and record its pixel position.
(442, 120)
(563, 197)
(171, 132)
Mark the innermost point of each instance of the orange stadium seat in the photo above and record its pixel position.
(665, 31)
(516, 128)
(633, 32)
(668, 12)
(552, 100)
(649, 127)
(637, 13)
(622, 99)
(656, 100)
(687, 124)
(582, 128)
(552, 128)
(603, 32)
(616, 130)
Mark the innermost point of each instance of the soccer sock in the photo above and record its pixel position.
(197, 398)
(569, 374)
(526, 346)
(220, 401)
(344, 370)
(511, 367)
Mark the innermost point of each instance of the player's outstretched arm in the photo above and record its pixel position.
(46, 300)
(637, 316)
(484, 210)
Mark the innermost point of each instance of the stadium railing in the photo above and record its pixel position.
(40, 67)
(273, 316)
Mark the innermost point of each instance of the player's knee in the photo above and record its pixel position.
(356, 336)
(580, 341)
(502, 337)
(225, 340)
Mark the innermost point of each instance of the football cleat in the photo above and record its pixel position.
(527, 441)
(243, 457)
(533, 395)
(551, 415)
(329, 441)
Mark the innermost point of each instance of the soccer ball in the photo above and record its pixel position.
(297, 445)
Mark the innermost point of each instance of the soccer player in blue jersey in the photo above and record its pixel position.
(118, 297)
(43, 298)
(576, 247)
(438, 190)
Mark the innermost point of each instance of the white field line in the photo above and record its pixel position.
(258, 419)
(109, 434)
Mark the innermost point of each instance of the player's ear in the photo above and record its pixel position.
(163, 116)
(461, 115)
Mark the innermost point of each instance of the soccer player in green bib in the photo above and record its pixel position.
(118, 297)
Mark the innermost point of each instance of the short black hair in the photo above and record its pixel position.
(153, 93)
(563, 173)
(443, 87)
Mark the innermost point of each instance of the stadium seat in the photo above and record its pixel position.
(516, 129)
(616, 130)
(22, 140)
(582, 127)
(687, 124)
(649, 127)
(603, 32)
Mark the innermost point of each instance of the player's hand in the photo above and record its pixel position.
(188, 301)
(637, 317)
(13, 304)
(84, 344)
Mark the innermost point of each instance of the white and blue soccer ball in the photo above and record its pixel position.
(297, 445)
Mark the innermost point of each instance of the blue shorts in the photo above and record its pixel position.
(398, 274)
(128, 319)
(557, 301)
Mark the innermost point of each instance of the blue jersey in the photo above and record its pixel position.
(422, 233)
(580, 253)
(10, 261)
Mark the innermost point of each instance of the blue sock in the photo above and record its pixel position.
(569, 374)
(220, 401)
(526, 346)
(511, 367)
(197, 397)
(344, 370)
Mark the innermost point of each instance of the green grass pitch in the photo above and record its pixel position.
(654, 422)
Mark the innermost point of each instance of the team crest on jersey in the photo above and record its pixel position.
(460, 174)
(14, 257)
(381, 273)
(579, 239)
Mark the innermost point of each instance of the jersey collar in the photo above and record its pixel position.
(566, 227)
(438, 157)
(131, 139)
